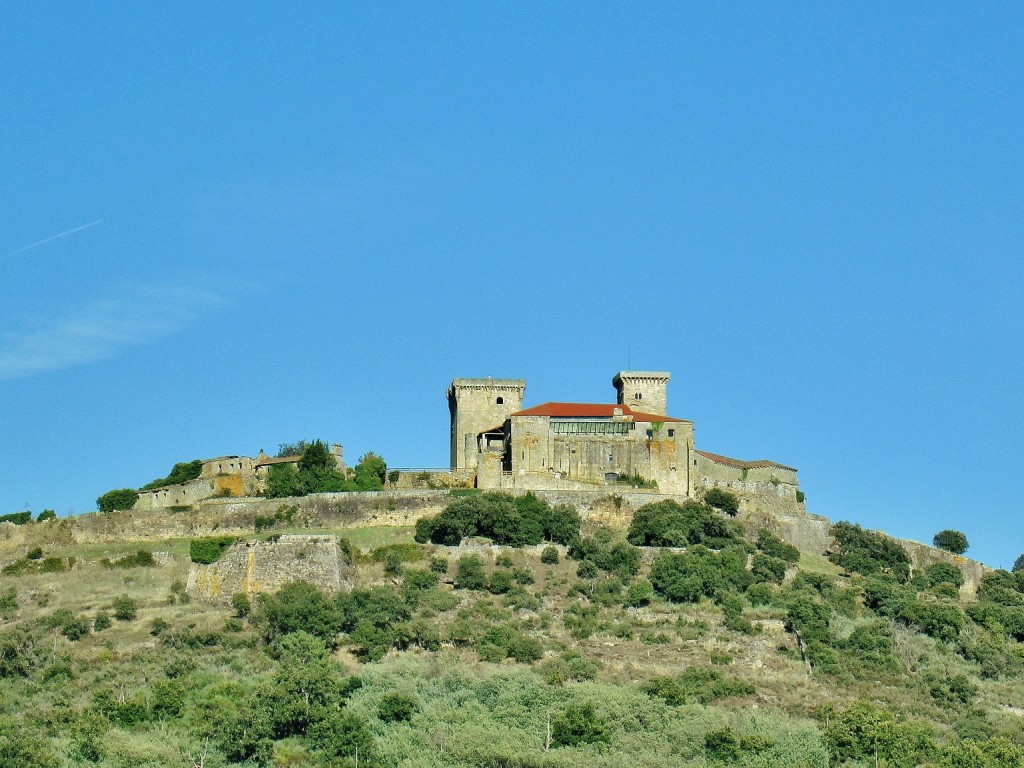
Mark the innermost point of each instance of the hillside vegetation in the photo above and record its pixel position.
(507, 632)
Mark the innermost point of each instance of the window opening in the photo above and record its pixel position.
(500, 401)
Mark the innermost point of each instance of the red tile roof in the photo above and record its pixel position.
(758, 464)
(592, 411)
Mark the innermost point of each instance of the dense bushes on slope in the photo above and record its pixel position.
(511, 520)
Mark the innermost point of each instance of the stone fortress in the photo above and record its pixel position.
(223, 476)
(558, 446)
(581, 446)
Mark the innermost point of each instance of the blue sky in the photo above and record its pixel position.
(304, 223)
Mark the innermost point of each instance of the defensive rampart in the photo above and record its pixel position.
(251, 567)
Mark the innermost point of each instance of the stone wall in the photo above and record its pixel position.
(811, 534)
(251, 567)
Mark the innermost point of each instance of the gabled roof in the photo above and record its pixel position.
(277, 460)
(758, 464)
(592, 411)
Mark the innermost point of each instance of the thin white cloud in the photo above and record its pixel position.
(101, 329)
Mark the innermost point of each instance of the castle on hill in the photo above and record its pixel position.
(497, 444)
(565, 445)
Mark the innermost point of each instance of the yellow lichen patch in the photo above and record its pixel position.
(249, 586)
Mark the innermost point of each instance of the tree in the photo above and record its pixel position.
(1018, 566)
(868, 552)
(727, 501)
(299, 606)
(579, 724)
(951, 541)
(120, 499)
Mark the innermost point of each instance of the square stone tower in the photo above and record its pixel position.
(644, 391)
(476, 405)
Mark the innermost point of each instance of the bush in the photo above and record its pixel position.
(723, 500)
(670, 524)
(140, 559)
(396, 708)
(469, 573)
(689, 576)
(943, 573)
(868, 553)
(767, 569)
(773, 546)
(46, 514)
(17, 518)
(639, 594)
(34, 554)
(696, 685)
(182, 472)
(579, 724)
(241, 605)
(439, 564)
(125, 608)
(208, 550)
(298, 606)
(508, 520)
(951, 541)
(123, 498)
(549, 556)
(101, 621)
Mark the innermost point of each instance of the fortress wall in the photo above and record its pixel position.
(236, 516)
(811, 533)
(252, 567)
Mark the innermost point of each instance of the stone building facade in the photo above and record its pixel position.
(223, 476)
(579, 445)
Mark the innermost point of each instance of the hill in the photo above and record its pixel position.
(479, 629)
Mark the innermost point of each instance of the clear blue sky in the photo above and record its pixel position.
(304, 222)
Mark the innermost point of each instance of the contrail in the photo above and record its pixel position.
(50, 239)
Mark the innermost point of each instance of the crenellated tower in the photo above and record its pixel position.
(477, 405)
(644, 391)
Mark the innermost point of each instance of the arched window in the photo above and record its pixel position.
(500, 401)
(638, 396)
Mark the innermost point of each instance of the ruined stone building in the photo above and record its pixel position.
(223, 476)
(582, 445)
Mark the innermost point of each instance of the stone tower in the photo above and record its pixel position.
(644, 391)
(477, 405)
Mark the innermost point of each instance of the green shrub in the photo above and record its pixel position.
(140, 559)
(397, 708)
(773, 546)
(17, 518)
(549, 555)
(209, 550)
(639, 594)
(120, 499)
(725, 501)
(508, 520)
(670, 524)
(686, 577)
(158, 626)
(579, 724)
(503, 561)
(868, 553)
(943, 573)
(865, 731)
(75, 627)
(439, 564)
(241, 604)
(56, 565)
(182, 472)
(34, 554)
(101, 621)
(125, 608)
(470, 573)
(696, 685)
(298, 606)
(768, 569)
(46, 514)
